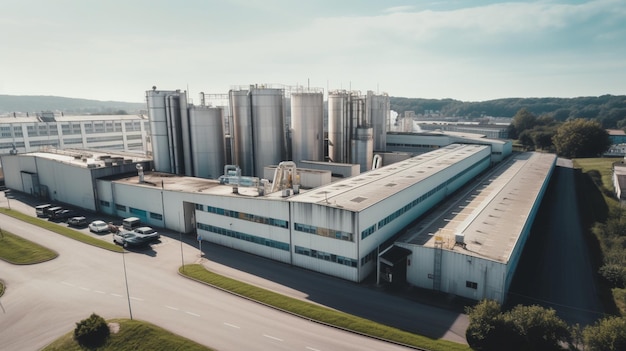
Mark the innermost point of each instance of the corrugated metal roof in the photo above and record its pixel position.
(492, 213)
(376, 185)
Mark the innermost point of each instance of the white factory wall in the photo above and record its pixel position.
(64, 183)
(13, 165)
(246, 229)
(458, 272)
(332, 256)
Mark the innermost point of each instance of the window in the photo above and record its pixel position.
(471, 285)
(105, 203)
(120, 207)
(156, 216)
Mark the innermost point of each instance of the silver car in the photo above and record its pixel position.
(148, 233)
(99, 227)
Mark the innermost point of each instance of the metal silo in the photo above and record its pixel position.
(307, 123)
(207, 141)
(268, 134)
(363, 148)
(242, 144)
(167, 111)
(378, 109)
(339, 128)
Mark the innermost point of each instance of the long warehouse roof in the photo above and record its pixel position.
(362, 191)
(492, 213)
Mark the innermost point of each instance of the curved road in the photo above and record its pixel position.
(44, 301)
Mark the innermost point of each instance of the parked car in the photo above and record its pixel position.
(63, 214)
(129, 239)
(148, 233)
(78, 221)
(40, 210)
(99, 226)
(50, 211)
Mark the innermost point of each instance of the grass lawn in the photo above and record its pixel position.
(17, 250)
(132, 335)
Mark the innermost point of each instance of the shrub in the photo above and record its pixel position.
(614, 274)
(92, 331)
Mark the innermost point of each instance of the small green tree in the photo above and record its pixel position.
(608, 334)
(91, 332)
(484, 331)
(535, 328)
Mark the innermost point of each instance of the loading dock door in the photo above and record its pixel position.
(392, 266)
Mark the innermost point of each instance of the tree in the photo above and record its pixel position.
(536, 328)
(522, 121)
(608, 334)
(581, 138)
(485, 321)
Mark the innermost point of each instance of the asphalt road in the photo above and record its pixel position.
(44, 301)
(555, 269)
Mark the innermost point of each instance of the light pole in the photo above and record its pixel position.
(126, 280)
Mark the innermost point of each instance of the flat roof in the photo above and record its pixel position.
(78, 118)
(490, 213)
(360, 192)
(87, 158)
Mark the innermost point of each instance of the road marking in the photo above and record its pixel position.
(232, 325)
(312, 349)
(83, 288)
(136, 298)
(116, 295)
(272, 337)
(193, 314)
(172, 308)
(68, 284)
(99, 292)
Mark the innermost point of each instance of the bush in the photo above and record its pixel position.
(92, 331)
(614, 274)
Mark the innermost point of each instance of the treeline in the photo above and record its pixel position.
(606, 109)
(20, 105)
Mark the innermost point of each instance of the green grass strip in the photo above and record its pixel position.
(63, 230)
(316, 312)
(17, 250)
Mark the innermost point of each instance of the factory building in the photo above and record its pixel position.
(24, 134)
(369, 212)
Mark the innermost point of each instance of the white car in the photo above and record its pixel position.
(147, 232)
(99, 227)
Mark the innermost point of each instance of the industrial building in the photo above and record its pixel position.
(346, 219)
(23, 134)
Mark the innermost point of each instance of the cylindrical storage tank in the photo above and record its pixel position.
(159, 130)
(307, 123)
(268, 133)
(379, 110)
(242, 142)
(207, 141)
(338, 126)
(363, 148)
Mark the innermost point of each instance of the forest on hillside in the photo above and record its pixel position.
(22, 104)
(609, 110)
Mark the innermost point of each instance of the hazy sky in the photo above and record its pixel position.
(468, 50)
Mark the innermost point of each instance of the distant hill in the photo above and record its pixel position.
(19, 104)
(608, 109)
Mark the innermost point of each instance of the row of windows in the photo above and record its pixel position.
(430, 193)
(367, 232)
(243, 236)
(105, 138)
(329, 233)
(9, 145)
(135, 211)
(370, 256)
(325, 256)
(245, 216)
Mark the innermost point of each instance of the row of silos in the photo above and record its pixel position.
(191, 140)
(186, 139)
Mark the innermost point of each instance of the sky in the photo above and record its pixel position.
(469, 50)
